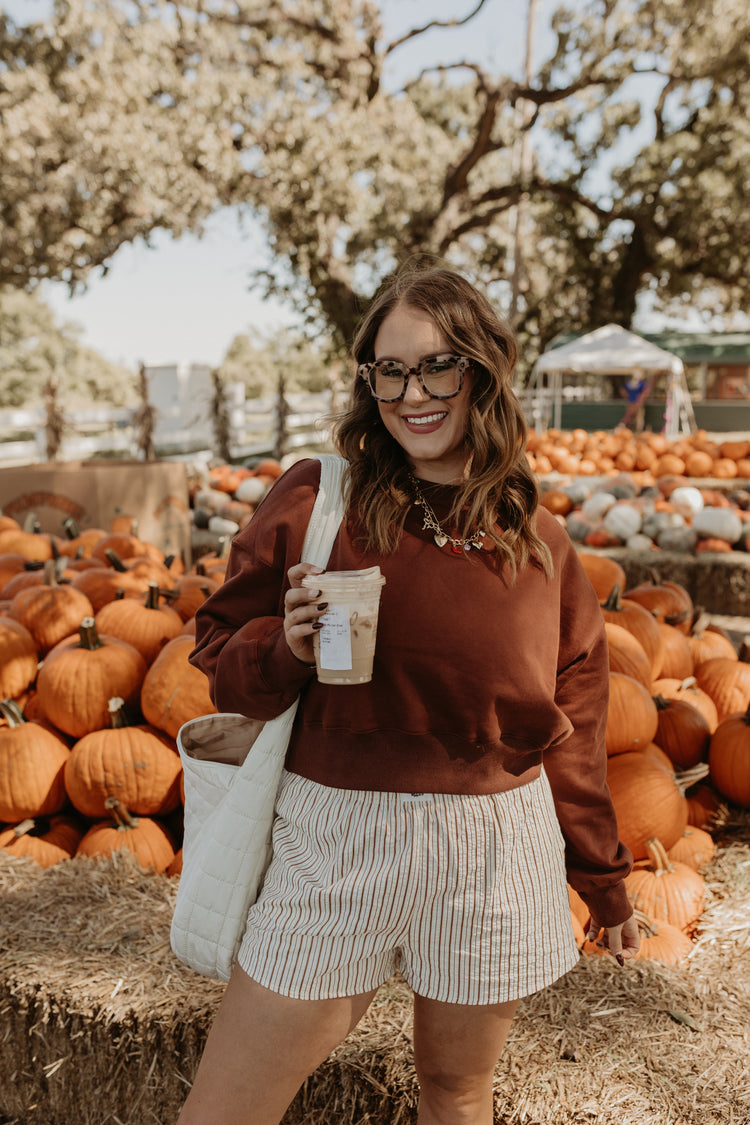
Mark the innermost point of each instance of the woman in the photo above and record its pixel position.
(417, 827)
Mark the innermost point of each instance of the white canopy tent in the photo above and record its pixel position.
(612, 350)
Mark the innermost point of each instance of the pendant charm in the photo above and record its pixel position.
(457, 550)
(440, 539)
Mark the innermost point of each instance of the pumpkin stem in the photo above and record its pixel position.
(613, 602)
(117, 714)
(658, 857)
(688, 682)
(645, 924)
(12, 713)
(200, 568)
(115, 561)
(744, 651)
(24, 827)
(683, 779)
(50, 572)
(89, 638)
(33, 564)
(662, 704)
(71, 528)
(31, 524)
(152, 596)
(701, 621)
(120, 814)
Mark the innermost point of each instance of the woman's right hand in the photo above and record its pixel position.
(302, 612)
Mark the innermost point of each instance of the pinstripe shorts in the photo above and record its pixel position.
(465, 895)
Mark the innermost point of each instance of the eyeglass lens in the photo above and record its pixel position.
(441, 377)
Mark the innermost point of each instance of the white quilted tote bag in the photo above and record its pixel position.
(232, 768)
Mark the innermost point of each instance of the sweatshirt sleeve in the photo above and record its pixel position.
(597, 862)
(239, 630)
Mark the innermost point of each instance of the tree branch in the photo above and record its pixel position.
(433, 23)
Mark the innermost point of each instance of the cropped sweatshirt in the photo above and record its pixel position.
(478, 679)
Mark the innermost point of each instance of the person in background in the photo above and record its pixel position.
(634, 390)
(426, 821)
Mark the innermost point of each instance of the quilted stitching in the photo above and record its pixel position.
(229, 809)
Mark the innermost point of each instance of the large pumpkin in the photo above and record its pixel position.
(82, 673)
(143, 623)
(664, 890)
(727, 682)
(669, 602)
(132, 763)
(627, 655)
(47, 840)
(688, 691)
(683, 732)
(638, 621)
(647, 800)
(602, 572)
(18, 658)
(632, 718)
(50, 611)
(729, 758)
(32, 761)
(173, 690)
(148, 840)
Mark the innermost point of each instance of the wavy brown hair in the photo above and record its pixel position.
(499, 488)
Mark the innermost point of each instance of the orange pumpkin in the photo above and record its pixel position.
(661, 941)
(32, 761)
(148, 840)
(146, 625)
(694, 848)
(706, 641)
(627, 655)
(50, 611)
(603, 573)
(666, 891)
(729, 758)
(632, 718)
(131, 763)
(669, 602)
(82, 673)
(727, 681)
(47, 840)
(689, 691)
(638, 621)
(648, 802)
(18, 658)
(173, 690)
(677, 657)
(683, 732)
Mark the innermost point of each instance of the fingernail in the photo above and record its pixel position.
(314, 594)
(317, 624)
(619, 959)
(322, 606)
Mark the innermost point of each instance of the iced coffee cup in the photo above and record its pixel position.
(345, 646)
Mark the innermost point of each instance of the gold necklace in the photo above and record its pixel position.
(430, 523)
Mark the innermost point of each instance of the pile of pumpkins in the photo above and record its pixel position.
(95, 633)
(678, 745)
(668, 514)
(224, 498)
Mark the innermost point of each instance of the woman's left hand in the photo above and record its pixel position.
(622, 941)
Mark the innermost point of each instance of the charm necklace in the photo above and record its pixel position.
(430, 523)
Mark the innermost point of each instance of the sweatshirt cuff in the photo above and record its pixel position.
(289, 675)
(610, 905)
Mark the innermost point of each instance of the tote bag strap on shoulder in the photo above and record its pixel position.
(328, 511)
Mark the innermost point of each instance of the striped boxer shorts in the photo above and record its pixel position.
(465, 895)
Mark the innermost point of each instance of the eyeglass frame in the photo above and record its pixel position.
(463, 363)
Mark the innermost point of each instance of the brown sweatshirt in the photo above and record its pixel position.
(477, 679)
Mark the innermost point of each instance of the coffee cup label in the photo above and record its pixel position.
(336, 639)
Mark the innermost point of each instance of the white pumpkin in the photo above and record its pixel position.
(598, 504)
(718, 523)
(623, 520)
(250, 490)
(688, 501)
(639, 542)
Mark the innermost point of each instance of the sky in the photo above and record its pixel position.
(183, 300)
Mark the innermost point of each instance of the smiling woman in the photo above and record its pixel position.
(427, 819)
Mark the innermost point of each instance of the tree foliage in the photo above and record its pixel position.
(118, 117)
(257, 361)
(35, 348)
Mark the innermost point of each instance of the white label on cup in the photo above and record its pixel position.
(336, 639)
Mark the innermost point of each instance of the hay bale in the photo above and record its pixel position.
(100, 1024)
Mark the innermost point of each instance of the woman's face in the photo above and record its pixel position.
(431, 431)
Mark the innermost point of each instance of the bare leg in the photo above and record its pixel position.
(456, 1048)
(260, 1050)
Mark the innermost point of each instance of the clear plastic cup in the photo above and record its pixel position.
(345, 646)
